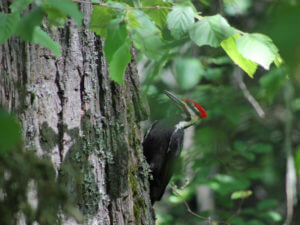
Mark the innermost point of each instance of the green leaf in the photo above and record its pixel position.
(55, 16)
(100, 18)
(258, 48)
(182, 194)
(278, 61)
(271, 83)
(267, 204)
(118, 5)
(255, 222)
(42, 38)
(117, 50)
(273, 215)
(116, 36)
(241, 194)
(66, 7)
(147, 38)
(8, 23)
(230, 48)
(19, 5)
(295, 105)
(224, 184)
(10, 132)
(211, 30)
(188, 72)
(159, 16)
(28, 23)
(119, 62)
(236, 7)
(261, 148)
(179, 20)
(132, 22)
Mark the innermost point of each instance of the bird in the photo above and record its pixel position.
(163, 144)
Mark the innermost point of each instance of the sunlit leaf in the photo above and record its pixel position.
(258, 48)
(132, 21)
(241, 194)
(230, 48)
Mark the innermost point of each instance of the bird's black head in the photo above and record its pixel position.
(193, 110)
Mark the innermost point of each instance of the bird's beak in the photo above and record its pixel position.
(178, 101)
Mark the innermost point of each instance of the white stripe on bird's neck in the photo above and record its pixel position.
(185, 124)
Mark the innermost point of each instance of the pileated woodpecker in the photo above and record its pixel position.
(163, 144)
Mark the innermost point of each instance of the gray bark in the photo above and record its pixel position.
(74, 114)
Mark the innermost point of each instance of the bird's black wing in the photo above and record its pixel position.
(171, 160)
(149, 130)
(155, 146)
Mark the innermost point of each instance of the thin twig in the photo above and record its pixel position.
(237, 75)
(290, 177)
(193, 213)
(237, 212)
(119, 8)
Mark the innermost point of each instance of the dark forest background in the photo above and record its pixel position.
(252, 126)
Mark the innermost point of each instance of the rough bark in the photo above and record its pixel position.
(74, 114)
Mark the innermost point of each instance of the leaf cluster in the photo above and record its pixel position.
(28, 184)
(26, 24)
(159, 29)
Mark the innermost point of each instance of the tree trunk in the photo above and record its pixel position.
(74, 114)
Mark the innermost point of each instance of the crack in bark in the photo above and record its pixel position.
(60, 123)
(110, 213)
(82, 91)
(100, 75)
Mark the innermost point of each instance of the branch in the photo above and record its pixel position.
(238, 77)
(118, 8)
(238, 211)
(290, 177)
(174, 188)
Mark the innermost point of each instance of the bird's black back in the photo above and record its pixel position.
(162, 146)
